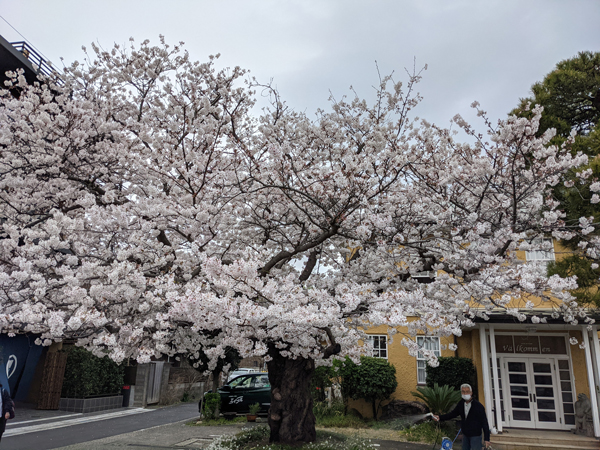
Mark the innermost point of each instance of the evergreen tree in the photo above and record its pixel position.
(570, 95)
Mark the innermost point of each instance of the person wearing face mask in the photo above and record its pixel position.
(473, 420)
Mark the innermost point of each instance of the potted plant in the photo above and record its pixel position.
(252, 412)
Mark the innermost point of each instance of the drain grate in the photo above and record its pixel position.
(155, 446)
(188, 444)
(194, 443)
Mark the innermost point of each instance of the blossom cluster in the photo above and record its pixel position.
(145, 211)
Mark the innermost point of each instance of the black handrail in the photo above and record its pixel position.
(35, 58)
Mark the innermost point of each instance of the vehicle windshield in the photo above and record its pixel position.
(250, 381)
(240, 382)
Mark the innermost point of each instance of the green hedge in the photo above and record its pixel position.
(453, 371)
(87, 375)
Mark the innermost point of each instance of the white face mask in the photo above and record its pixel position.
(466, 397)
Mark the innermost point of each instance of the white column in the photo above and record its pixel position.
(496, 380)
(596, 361)
(590, 373)
(485, 369)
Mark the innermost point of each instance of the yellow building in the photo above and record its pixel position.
(528, 375)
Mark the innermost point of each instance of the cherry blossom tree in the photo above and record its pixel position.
(146, 211)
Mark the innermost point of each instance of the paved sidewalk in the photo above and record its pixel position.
(27, 414)
(172, 436)
(185, 437)
(28, 411)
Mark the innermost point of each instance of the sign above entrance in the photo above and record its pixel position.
(527, 344)
(532, 345)
(553, 345)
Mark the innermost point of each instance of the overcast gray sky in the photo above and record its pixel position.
(490, 51)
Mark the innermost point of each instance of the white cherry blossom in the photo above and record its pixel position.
(145, 212)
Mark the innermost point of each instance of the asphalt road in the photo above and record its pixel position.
(132, 429)
(80, 433)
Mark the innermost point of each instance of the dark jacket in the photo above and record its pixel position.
(475, 421)
(8, 406)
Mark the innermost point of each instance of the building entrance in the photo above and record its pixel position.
(532, 390)
(535, 381)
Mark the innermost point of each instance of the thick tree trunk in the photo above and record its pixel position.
(291, 417)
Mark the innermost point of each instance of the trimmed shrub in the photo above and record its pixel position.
(87, 375)
(374, 380)
(453, 371)
(211, 403)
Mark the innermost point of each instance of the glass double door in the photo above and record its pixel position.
(533, 393)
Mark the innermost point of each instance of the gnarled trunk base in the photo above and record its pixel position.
(291, 417)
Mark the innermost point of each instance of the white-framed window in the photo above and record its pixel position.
(379, 343)
(542, 251)
(424, 277)
(424, 274)
(426, 343)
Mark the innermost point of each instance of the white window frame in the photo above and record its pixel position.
(376, 340)
(426, 342)
(424, 274)
(539, 255)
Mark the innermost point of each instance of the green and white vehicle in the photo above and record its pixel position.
(241, 392)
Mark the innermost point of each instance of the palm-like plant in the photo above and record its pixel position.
(439, 399)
